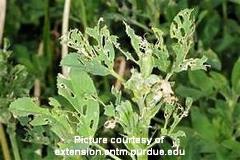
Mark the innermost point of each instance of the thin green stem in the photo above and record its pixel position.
(166, 122)
(175, 123)
(114, 74)
(65, 22)
(168, 76)
(15, 147)
(224, 9)
(83, 14)
(4, 144)
(13, 140)
(151, 145)
(139, 24)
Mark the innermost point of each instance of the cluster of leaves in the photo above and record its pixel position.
(218, 29)
(76, 111)
(39, 53)
(210, 121)
(14, 82)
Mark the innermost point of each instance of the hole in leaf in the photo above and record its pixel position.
(46, 120)
(181, 19)
(91, 123)
(72, 94)
(62, 85)
(175, 24)
(70, 35)
(182, 32)
(103, 41)
(84, 109)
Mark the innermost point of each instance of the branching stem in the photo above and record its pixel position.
(13, 140)
(114, 74)
(4, 144)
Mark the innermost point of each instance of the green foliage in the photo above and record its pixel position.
(151, 92)
(169, 55)
(97, 59)
(79, 117)
(14, 83)
(210, 122)
(235, 77)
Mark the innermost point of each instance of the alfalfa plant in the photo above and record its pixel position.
(76, 112)
(15, 82)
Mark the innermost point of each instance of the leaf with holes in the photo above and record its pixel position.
(78, 89)
(57, 119)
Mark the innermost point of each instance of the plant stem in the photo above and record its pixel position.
(83, 14)
(65, 22)
(103, 149)
(3, 5)
(175, 123)
(3, 139)
(121, 71)
(13, 140)
(4, 144)
(37, 83)
(114, 74)
(168, 76)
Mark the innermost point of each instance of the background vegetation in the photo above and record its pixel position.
(33, 28)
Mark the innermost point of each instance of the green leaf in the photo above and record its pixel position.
(189, 92)
(182, 64)
(202, 125)
(78, 89)
(95, 32)
(135, 40)
(127, 117)
(26, 106)
(199, 78)
(110, 111)
(233, 145)
(197, 63)
(210, 30)
(96, 58)
(176, 137)
(160, 51)
(94, 67)
(23, 107)
(213, 59)
(146, 64)
(220, 81)
(39, 120)
(182, 27)
(189, 102)
(235, 78)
